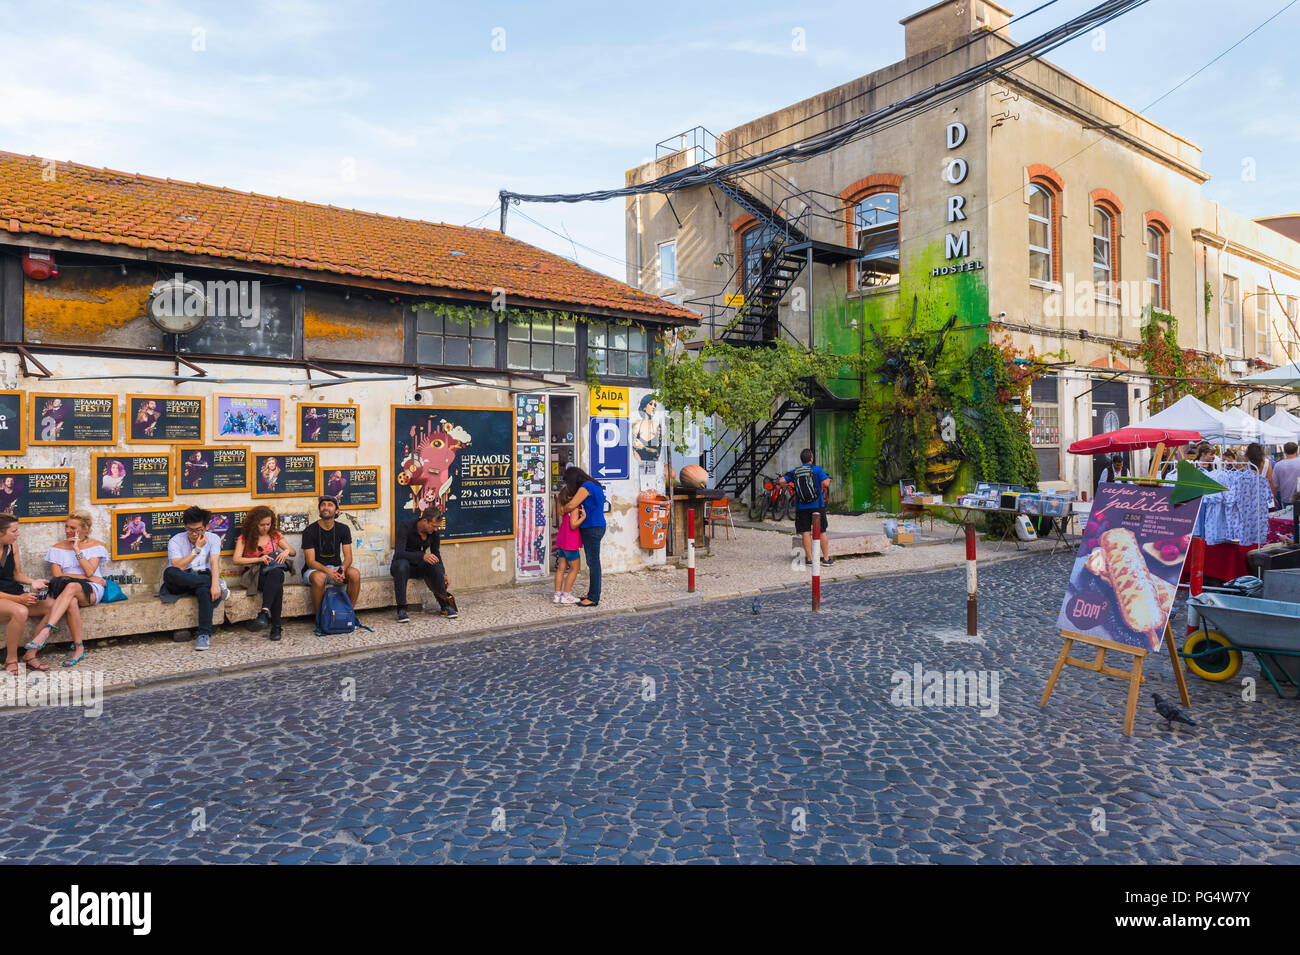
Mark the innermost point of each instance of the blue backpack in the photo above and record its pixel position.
(336, 614)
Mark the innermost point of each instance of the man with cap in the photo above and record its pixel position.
(327, 548)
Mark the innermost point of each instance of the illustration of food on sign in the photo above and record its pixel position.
(1139, 601)
(1169, 551)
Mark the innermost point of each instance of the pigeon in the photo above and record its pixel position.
(1169, 713)
(754, 606)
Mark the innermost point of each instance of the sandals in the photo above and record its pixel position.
(33, 645)
(73, 661)
(36, 665)
(584, 602)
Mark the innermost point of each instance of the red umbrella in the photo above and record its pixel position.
(1133, 439)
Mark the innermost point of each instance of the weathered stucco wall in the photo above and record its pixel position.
(359, 326)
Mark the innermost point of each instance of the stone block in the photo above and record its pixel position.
(848, 545)
(136, 615)
(376, 592)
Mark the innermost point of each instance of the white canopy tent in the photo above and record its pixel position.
(1287, 422)
(1255, 430)
(1287, 376)
(1192, 414)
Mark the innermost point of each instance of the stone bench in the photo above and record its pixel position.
(142, 611)
(845, 544)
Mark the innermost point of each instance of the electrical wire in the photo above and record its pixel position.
(837, 136)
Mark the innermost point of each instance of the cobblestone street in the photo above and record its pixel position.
(765, 738)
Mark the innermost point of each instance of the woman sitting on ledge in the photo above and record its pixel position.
(76, 582)
(16, 605)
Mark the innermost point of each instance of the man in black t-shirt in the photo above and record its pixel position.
(416, 555)
(327, 548)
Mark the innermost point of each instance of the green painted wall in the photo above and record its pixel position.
(936, 298)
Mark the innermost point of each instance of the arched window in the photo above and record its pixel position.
(1043, 254)
(872, 210)
(875, 232)
(1157, 256)
(1105, 249)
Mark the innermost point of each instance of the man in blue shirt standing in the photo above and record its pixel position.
(811, 484)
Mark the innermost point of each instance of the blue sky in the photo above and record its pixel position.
(407, 108)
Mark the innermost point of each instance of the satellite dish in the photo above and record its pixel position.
(178, 307)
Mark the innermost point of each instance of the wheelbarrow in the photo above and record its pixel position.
(1270, 629)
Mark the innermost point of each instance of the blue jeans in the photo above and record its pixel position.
(591, 537)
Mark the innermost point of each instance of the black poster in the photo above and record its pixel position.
(327, 426)
(74, 419)
(156, 419)
(36, 495)
(284, 475)
(12, 435)
(205, 470)
(131, 477)
(352, 487)
(146, 533)
(461, 459)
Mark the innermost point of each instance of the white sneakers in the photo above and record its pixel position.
(564, 598)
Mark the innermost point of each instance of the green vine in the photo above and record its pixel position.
(1181, 371)
(478, 315)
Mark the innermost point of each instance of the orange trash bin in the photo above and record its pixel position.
(653, 510)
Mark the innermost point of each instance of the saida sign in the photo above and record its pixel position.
(607, 402)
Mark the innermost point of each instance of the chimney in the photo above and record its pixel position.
(952, 21)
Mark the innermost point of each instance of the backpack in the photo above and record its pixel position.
(806, 489)
(336, 614)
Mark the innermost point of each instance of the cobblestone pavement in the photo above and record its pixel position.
(757, 724)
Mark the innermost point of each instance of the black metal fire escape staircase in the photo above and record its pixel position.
(751, 318)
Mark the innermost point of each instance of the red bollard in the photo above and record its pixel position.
(972, 590)
(817, 560)
(690, 551)
(1195, 579)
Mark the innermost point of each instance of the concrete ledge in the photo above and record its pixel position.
(376, 593)
(848, 545)
(135, 615)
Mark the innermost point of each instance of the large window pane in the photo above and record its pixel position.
(457, 326)
(637, 364)
(1040, 203)
(518, 332)
(517, 355)
(428, 322)
(596, 335)
(636, 338)
(597, 356)
(428, 349)
(1038, 234)
(1040, 266)
(484, 352)
(566, 357)
(457, 351)
(617, 362)
(543, 330)
(543, 357)
(618, 337)
(486, 329)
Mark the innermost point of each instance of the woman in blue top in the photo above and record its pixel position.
(582, 489)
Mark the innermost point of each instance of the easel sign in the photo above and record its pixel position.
(1123, 582)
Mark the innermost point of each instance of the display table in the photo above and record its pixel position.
(1226, 561)
(1062, 525)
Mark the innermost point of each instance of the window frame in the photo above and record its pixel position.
(666, 287)
(1230, 302)
(1157, 285)
(587, 349)
(469, 338)
(1263, 332)
(533, 343)
(856, 231)
(1052, 223)
(1111, 290)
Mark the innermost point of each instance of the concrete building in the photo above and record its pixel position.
(1037, 209)
(406, 361)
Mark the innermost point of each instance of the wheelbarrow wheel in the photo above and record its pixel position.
(1213, 666)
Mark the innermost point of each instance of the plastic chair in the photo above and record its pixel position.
(718, 512)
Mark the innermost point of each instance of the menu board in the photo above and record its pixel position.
(72, 419)
(159, 419)
(13, 438)
(353, 488)
(32, 494)
(328, 426)
(284, 475)
(1131, 557)
(145, 533)
(458, 459)
(130, 477)
(207, 470)
(530, 418)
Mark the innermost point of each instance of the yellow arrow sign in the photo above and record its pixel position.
(608, 402)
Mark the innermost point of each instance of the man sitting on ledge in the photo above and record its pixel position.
(327, 550)
(194, 567)
(415, 554)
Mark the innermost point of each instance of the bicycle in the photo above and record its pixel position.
(776, 500)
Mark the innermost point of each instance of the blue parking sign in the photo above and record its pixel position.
(609, 448)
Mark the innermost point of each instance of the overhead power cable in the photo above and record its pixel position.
(838, 136)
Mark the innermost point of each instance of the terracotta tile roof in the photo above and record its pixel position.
(101, 205)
